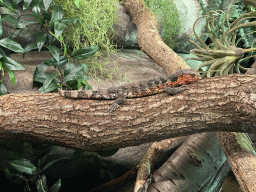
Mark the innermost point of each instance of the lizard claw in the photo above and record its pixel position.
(113, 107)
(120, 100)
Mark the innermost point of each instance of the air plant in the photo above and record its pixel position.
(222, 56)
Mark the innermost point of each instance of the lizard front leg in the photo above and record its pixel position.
(175, 90)
(121, 98)
(119, 101)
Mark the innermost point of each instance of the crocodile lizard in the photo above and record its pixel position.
(173, 84)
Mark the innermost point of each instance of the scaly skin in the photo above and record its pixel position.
(137, 89)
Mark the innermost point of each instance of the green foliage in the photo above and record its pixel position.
(97, 19)
(168, 19)
(26, 162)
(245, 35)
(96, 29)
(56, 23)
(7, 45)
(232, 40)
(104, 167)
(51, 18)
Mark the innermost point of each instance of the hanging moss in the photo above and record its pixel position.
(168, 19)
(97, 18)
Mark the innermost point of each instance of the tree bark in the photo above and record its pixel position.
(212, 104)
(240, 153)
(149, 39)
(241, 157)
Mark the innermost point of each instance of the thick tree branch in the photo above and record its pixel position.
(213, 104)
(149, 39)
(240, 153)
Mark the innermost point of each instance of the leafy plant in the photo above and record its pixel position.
(24, 161)
(50, 16)
(6, 45)
(30, 166)
(223, 56)
(96, 29)
(54, 24)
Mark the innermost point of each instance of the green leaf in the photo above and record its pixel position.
(49, 79)
(53, 86)
(54, 52)
(69, 67)
(3, 53)
(12, 76)
(11, 64)
(29, 47)
(26, 4)
(10, 19)
(57, 13)
(40, 39)
(24, 23)
(15, 34)
(41, 184)
(8, 5)
(77, 82)
(45, 151)
(46, 17)
(56, 186)
(43, 155)
(12, 45)
(59, 28)
(50, 38)
(53, 62)
(36, 12)
(84, 53)
(61, 38)
(3, 90)
(39, 74)
(84, 83)
(7, 171)
(84, 67)
(75, 74)
(23, 166)
(1, 27)
(47, 4)
(77, 2)
(54, 161)
(15, 2)
(73, 20)
(10, 176)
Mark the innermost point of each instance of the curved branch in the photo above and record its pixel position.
(149, 39)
